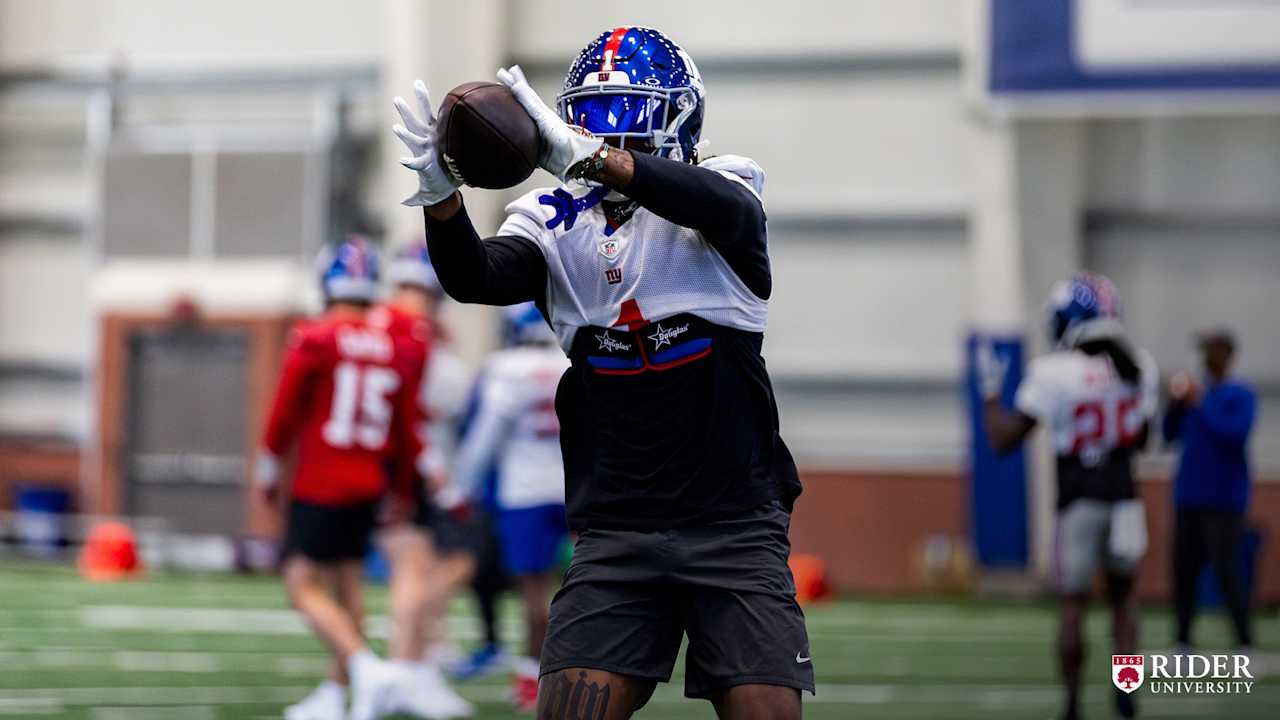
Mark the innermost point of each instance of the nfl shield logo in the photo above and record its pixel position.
(1128, 672)
(610, 248)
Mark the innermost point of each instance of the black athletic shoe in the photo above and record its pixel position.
(1125, 705)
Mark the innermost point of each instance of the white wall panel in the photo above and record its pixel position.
(43, 308)
(1185, 164)
(867, 307)
(164, 35)
(551, 28)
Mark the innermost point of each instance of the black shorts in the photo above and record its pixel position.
(448, 533)
(329, 533)
(629, 597)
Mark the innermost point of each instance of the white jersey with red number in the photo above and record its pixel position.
(1085, 404)
(648, 268)
(516, 427)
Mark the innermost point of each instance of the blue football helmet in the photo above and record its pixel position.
(1084, 308)
(633, 83)
(349, 270)
(525, 324)
(411, 265)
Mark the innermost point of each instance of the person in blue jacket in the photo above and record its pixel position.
(1212, 421)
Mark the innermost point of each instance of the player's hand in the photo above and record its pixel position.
(991, 368)
(266, 478)
(418, 133)
(1184, 389)
(397, 510)
(453, 501)
(563, 145)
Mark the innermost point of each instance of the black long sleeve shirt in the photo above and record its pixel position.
(682, 446)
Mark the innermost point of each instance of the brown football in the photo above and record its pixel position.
(485, 137)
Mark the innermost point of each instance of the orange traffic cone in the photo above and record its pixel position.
(110, 553)
(810, 574)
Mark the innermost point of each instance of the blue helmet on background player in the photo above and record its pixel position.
(633, 83)
(1083, 309)
(411, 265)
(524, 323)
(349, 270)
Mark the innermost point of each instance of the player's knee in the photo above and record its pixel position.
(758, 702)
(583, 692)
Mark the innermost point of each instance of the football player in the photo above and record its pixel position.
(1096, 394)
(417, 595)
(346, 401)
(515, 425)
(651, 263)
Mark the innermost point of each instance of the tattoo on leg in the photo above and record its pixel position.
(581, 700)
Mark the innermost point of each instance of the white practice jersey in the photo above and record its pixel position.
(444, 397)
(1084, 403)
(664, 268)
(515, 425)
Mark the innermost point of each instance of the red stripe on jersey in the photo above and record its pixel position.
(630, 316)
(611, 48)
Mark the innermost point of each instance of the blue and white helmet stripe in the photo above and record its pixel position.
(525, 324)
(1084, 308)
(633, 83)
(411, 265)
(349, 270)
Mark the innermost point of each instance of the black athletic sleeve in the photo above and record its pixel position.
(727, 214)
(501, 270)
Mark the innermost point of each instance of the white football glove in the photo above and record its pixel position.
(563, 145)
(435, 184)
(991, 368)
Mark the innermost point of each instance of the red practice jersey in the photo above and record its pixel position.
(348, 399)
(401, 324)
(406, 327)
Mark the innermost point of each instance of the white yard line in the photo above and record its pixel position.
(27, 707)
(254, 622)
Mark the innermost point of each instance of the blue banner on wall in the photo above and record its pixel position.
(1033, 51)
(998, 484)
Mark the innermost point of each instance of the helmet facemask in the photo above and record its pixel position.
(634, 117)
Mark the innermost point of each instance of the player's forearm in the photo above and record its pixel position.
(725, 213)
(1004, 430)
(501, 271)
(446, 209)
(688, 196)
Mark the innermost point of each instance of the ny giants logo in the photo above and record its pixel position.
(613, 275)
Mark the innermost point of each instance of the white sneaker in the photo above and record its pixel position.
(421, 691)
(326, 702)
(372, 683)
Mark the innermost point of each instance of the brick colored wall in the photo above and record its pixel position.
(26, 463)
(869, 527)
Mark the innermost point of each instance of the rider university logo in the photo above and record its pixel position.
(1127, 671)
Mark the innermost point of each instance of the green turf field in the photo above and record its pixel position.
(227, 647)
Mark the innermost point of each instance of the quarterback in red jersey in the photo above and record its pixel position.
(347, 400)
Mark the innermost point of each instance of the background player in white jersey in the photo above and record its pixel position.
(516, 427)
(1096, 395)
(652, 264)
(417, 596)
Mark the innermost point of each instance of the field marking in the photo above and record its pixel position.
(240, 621)
(30, 706)
(175, 712)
